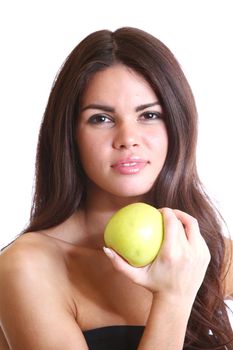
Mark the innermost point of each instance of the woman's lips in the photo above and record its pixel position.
(129, 166)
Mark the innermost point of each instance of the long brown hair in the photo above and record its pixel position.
(60, 179)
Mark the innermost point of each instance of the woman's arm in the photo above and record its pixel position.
(166, 325)
(174, 278)
(35, 313)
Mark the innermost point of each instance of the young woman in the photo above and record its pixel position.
(120, 127)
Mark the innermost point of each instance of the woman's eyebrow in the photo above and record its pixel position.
(144, 106)
(112, 110)
(98, 106)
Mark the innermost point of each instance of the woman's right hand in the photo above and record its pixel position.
(180, 267)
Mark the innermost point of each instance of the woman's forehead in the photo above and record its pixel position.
(118, 83)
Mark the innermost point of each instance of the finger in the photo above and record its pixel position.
(173, 228)
(190, 224)
(123, 266)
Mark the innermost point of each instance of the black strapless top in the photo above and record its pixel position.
(114, 337)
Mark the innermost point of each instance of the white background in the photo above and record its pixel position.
(36, 37)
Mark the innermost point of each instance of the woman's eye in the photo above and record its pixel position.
(150, 115)
(100, 119)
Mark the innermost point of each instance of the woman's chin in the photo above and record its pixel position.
(131, 193)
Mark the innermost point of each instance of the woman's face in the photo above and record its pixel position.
(121, 135)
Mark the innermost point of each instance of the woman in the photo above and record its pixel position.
(120, 127)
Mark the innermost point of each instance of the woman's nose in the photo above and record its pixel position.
(126, 137)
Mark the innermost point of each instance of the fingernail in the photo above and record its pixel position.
(108, 252)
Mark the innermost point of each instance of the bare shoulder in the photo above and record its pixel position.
(33, 262)
(228, 273)
(28, 246)
(34, 289)
(30, 258)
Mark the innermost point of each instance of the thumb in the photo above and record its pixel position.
(122, 265)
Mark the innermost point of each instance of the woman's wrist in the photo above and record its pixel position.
(174, 302)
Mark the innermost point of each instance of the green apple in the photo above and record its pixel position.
(136, 233)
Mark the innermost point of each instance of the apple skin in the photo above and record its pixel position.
(136, 233)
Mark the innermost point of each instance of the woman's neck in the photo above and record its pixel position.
(95, 213)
